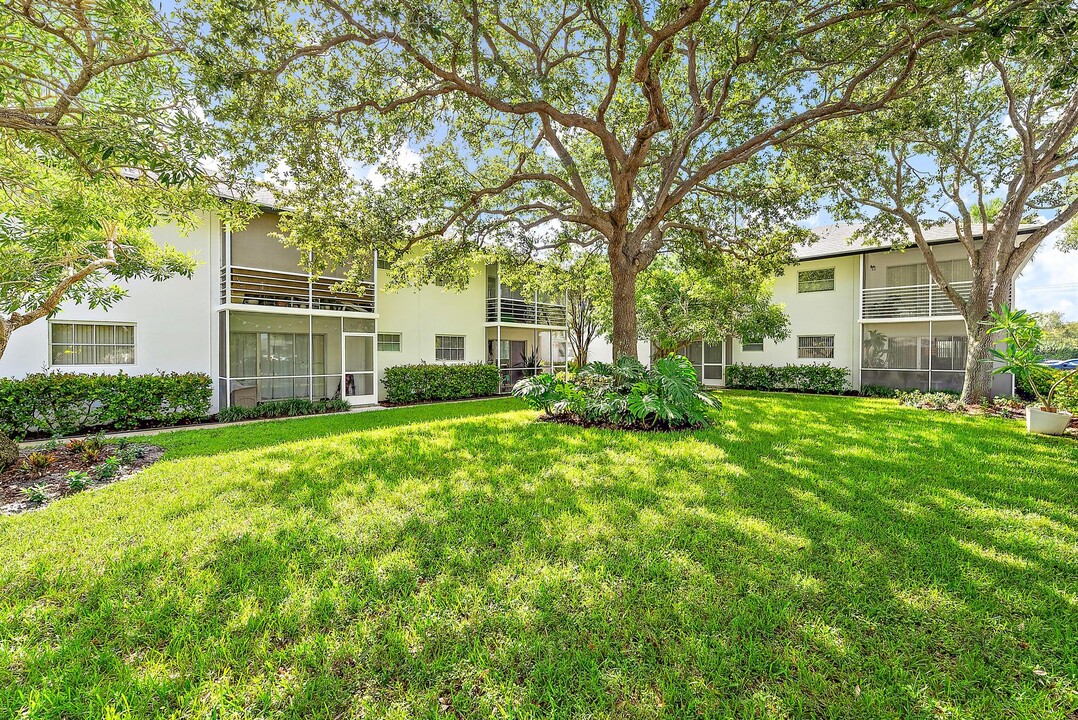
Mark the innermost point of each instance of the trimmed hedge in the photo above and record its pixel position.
(419, 383)
(823, 379)
(71, 403)
(293, 407)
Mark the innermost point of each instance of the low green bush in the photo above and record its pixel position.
(625, 394)
(420, 383)
(1066, 395)
(78, 480)
(294, 407)
(817, 378)
(59, 404)
(878, 391)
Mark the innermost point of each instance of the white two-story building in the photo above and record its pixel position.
(253, 320)
(871, 309)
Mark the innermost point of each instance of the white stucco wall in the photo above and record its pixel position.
(603, 351)
(829, 312)
(419, 314)
(174, 319)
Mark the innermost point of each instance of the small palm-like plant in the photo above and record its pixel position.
(35, 494)
(875, 349)
(78, 480)
(1019, 355)
(37, 463)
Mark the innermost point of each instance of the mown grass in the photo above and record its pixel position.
(806, 557)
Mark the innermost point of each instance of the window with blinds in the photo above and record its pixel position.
(389, 342)
(816, 280)
(91, 343)
(918, 274)
(816, 347)
(449, 348)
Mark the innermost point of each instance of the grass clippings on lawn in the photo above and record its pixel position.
(806, 557)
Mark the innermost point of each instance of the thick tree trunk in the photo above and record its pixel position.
(624, 335)
(977, 384)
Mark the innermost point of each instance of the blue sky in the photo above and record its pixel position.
(1050, 282)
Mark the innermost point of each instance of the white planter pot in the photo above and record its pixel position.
(1046, 423)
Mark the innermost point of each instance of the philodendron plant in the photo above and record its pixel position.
(1019, 356)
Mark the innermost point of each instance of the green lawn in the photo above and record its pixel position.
(807, 557)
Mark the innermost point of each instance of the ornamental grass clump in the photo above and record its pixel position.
(625, 394)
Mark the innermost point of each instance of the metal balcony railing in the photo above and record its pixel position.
(522, 312)
(274, 288)
(910, 301)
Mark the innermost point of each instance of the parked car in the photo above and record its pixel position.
(1071, 364)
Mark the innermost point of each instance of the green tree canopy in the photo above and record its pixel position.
(651, 127)
(100, 140)
(680, 306)
(980, 152)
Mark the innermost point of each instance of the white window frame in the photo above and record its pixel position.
(809, 286)
(802, 347)
(93, 323)
(378, 342)
(747, 346)
(463, 349)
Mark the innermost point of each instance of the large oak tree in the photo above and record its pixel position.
(646, 125)
(983, 152)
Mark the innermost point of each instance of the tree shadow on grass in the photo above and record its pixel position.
(487, 563)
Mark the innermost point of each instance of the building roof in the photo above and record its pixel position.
(838, 239)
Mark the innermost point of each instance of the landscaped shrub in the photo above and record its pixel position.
(998, 406)
(71, 403)
(878, 391)
(293, 407)
(935, 400)
(419, 383)
(624, 394)
(9, 451)
(1066, 395)
(822, 378)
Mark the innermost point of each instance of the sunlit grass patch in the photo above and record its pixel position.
(805, 557)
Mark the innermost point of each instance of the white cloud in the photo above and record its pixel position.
(1050, 281)
(280, 175)
(405, 158)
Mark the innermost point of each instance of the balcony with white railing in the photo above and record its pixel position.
(522, 312)
(910, 302)
(275, 288)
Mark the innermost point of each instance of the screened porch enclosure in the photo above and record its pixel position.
(521, 353)
(276, 356)
(918, 356)
(709, 361)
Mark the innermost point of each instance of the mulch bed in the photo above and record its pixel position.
(71, 456)
(566, 420)
(1000, 407)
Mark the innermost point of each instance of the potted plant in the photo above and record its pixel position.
(1020, 357)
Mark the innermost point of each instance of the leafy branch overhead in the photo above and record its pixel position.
(649, 127)
(100, 140)
(990, 152)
